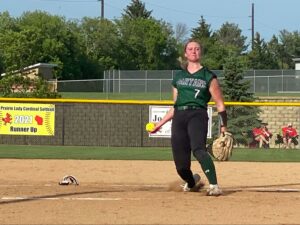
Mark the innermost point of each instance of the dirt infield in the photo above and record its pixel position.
(137, 192)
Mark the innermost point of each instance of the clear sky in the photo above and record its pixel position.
(270, 16)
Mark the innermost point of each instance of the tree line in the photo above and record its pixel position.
(84, 48)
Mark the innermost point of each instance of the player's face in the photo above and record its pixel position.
(193, 52)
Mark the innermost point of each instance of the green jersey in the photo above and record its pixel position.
(193, 89)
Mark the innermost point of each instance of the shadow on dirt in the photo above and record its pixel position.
(54, 196)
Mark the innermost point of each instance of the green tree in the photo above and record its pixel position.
(40, 37)
(241, 118)
(136, 10)
(203, 31)
(260, 57)
(14, 51)
(100, 41)
(276, 50)
(17, 86)
(213, 51)
(290, 47)
(181, 32)
(203, 34)
(1, 64)
(230, 36)
(146, 44)
(6, 22)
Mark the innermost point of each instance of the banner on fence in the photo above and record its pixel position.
(27, 119)
(156, 113)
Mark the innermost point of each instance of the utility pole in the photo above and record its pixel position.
(102, 8)
(252, 25)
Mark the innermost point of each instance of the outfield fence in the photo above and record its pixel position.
(121, 123)
(266, 82)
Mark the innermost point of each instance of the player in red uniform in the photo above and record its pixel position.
(290, 136)
(262, 135)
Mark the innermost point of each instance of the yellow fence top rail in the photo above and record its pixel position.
(141, 102)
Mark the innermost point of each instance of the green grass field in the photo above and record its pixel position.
(118, 96)
(146, 96)
(122, 153)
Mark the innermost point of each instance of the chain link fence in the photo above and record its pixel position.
(158, 82)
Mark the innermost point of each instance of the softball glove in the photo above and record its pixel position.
(69, 179)
(222, 147)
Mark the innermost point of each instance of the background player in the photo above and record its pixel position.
(290, 136)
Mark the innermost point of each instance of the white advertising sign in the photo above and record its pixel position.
(157, 112)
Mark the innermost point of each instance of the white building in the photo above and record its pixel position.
(297, 63)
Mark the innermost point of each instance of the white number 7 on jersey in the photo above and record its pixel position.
(197, 92)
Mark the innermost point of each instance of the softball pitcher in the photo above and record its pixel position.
(193, 87)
